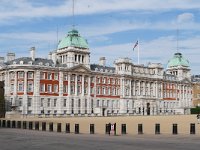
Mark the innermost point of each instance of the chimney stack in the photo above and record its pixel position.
(50, 55)
(102, 61)
(10, 56)
(1, 60)
(32, 52)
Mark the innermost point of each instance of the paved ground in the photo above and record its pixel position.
(16, 139)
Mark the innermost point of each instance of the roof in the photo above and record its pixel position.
(96, 67)
(73, 39)
(28, 60)
(178, 60)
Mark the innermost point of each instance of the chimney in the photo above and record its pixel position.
(102, 61)
(10, 56)
(1, 60)
(54, 57)
(50, 55)
(32, 52)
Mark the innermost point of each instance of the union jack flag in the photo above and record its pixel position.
(136, 44)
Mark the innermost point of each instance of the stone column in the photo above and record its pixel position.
(60, 99)
(130, 90)
(69, 85)
(89, 86)
(139, 89)
(83, 85)
(25, 82)
(76, 83)
(36, 93)
(15, 84)
(123, 87)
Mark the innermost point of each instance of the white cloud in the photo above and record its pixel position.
(159, 50)
(10, 9)
(185, 18)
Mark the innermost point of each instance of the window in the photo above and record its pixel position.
(20, 87)
(98, 90)
(98, 103)
(55, 88)
(65, 88)
(48, 102)
(92, 90)
(42, 75)
(20, 74)
(65, 77)
(85, 90)
(79, 78)
(104, 90)
(79, 89)
(109, 91)
(29, 102)
(104, 80)
(49, 76)
(30, 75)
(92, 79)
(108, 81)
(85, 103)
(49, 89)
(41, 102)
(42, 87)
(73, 77)
(54, 102)
(30, 87)
(55, 76)
(11, 88)
(98, 80)
(79, 103)
(20, 102)
(64, 103)
(72, 89)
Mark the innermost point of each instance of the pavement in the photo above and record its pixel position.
(19, 139)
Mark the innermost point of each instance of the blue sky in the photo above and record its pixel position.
(110, 26)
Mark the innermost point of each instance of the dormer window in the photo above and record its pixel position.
(14, 63)
(30, 62)
(47, 64)
(21, 62)
(96, 69)
(40, 63)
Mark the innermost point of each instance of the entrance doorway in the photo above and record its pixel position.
(104, 111)
(148, 108)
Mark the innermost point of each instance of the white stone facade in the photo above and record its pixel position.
(67, 84)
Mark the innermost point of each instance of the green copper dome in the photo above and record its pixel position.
(178, 60)
(73, 39)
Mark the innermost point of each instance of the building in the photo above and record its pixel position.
(196, 90)
(66, 84)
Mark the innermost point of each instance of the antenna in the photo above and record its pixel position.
(73, 25)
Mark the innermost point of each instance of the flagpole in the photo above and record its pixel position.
(138, 52)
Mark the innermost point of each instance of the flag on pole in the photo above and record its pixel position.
(136, 44)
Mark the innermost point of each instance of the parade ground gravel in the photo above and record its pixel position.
(18, 139)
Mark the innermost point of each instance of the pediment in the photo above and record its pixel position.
(80, 68)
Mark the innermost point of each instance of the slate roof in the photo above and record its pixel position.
(103, 68)
(27, 60)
